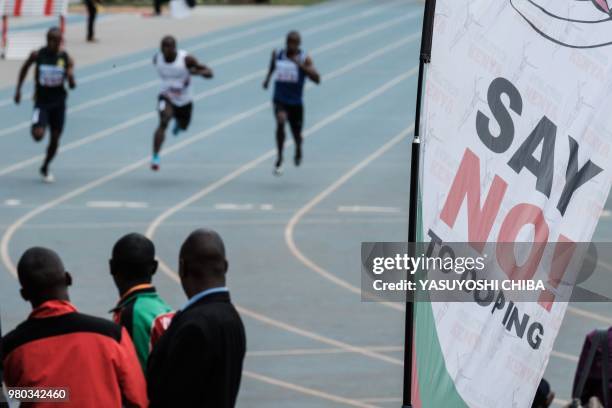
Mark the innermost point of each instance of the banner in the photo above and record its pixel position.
(517, 128)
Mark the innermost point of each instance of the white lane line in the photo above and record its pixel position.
(243, 207)
(307, 391)
(214, 63)
(234, 207)
(14, 227)
(606, 214)
(117, 204)
(289, 229)
(12, 202)
(565, 356)
(590, 315)
(265, 26)
(266, 156)
(318, 351)
(217, 90)
(368, 209)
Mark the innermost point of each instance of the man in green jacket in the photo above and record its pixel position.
(140, 309)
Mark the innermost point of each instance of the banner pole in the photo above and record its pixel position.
(415, 163)
(3, 401)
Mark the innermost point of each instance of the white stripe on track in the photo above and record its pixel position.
(289, 229)
(215, 91)
(307, 391)
(217, 62)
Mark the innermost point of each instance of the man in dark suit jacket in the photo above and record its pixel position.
(198, 361)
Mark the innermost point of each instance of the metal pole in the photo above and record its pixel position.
(3, 402)
(415, 163)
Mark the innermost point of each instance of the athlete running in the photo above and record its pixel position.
(175, 68)
(292, 66)
(53, 68)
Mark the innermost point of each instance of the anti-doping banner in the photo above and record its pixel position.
(517, 127)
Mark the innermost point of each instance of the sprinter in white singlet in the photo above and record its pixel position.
(175, 68)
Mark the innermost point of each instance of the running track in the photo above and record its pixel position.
(293, 242)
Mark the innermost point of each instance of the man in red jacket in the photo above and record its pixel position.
(92, 358)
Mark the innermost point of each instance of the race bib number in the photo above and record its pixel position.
(51, 75)
(287, 71)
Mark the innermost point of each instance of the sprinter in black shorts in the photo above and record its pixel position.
(175, 68)
(53, 68)
(291, 66)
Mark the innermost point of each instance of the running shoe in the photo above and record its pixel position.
(278, 167)
(46, 175)
(155, 162)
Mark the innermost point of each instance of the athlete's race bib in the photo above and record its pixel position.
(51, 75)
(287, 71)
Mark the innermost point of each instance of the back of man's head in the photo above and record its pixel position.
(42, 276)
(202, 261)
(133, 260)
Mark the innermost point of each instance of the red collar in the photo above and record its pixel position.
(52, 308)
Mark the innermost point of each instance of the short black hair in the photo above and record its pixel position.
(294, 33)
(168, 38)
(53, 30)
(205, 251)
(40, 269)
(134, 257)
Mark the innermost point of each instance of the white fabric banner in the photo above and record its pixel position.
(517, 130)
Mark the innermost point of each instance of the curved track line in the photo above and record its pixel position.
(307, 391)
(225, 87)
(289, 230)
(207, 44)
(217, 62)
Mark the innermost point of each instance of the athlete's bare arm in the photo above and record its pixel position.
(23, 72)
(266, 82)
(195, 68)
(309, 69)
(70, 74)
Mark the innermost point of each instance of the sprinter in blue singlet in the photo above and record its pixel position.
(291, 67)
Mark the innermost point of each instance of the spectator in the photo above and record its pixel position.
(198, 361)
(140, 309)
(593, 372)
(92, 12)
(60, 347)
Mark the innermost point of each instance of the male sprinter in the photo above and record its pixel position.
(175, 68)
(292, 65)
(53, 68)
